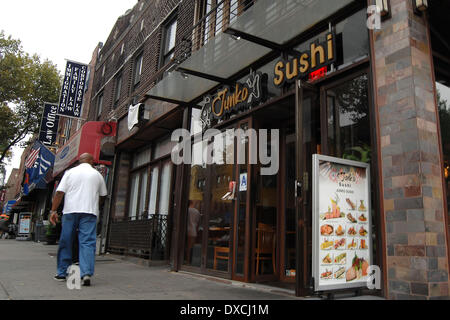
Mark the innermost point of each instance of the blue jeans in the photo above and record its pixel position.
(87, 238)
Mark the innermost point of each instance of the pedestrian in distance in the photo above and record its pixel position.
(84, 190)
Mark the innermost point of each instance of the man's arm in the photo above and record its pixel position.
(57, 199)
(101, 201)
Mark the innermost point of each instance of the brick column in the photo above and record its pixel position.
(410, 153)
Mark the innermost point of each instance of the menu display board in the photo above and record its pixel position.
(24, 224)
(341, 223)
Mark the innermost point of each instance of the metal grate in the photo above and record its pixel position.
(147, 237)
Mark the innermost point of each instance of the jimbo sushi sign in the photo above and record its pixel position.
(342, 244)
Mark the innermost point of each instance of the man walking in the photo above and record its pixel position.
(83, 189)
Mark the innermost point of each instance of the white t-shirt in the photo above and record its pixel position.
(82, 186)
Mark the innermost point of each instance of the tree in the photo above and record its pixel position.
(25, 84)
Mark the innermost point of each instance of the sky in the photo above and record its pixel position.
(59, 30)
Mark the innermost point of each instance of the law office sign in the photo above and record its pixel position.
(72, 91)
(49, 124)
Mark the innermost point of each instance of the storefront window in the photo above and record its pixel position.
(352, 39)
(164, 198)
(266, 221)
(141, 158)
(137, 194)
(195, 214)
(143, 193)
(149, 194)
(348, 120)
(153, 190)
(443, 93)
(133, 196)
(221, 208)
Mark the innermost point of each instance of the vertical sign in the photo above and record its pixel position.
(49, 125)
(72, 91)
(341, 223)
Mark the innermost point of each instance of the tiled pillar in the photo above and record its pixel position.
(411, 166)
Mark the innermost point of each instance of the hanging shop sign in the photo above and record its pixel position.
(72, 91)
(342, 248)
(49, 124)
(231, 100)
(305, 64)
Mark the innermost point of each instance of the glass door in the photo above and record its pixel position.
(242, 213)
(221, 206)
(308, 137)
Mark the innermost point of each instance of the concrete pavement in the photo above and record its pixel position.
(27, 270)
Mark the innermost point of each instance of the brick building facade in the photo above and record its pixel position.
(170, 56)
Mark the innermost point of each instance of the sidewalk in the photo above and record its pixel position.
(27, 269)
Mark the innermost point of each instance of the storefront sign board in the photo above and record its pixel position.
(72, 90)
(342, 246)
(309, 64)
(49, 125)
(232, 100)
(67, 154)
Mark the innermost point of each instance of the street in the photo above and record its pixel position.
(27, 270)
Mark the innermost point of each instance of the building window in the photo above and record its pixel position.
(150, 185)
(103, 70)
(99, 105)
(122, 48)
(142, 24)
(118, 89)
(214, 16)
(169, 34)
(138, 69)
(164, 197)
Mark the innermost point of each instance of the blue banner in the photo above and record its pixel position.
(38, 163)
(72, 91)
(49, 124)
(8, 206)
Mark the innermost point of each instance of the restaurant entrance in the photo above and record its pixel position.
(261, 230)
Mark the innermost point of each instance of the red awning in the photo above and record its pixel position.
(86, 140)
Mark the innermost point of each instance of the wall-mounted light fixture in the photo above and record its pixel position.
(384, 7)
(420, 5)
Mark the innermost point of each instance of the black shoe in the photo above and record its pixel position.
(59, 278)
(86, 281)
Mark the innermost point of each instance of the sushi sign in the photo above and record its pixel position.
(342, 248)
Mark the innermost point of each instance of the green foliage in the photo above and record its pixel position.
(25, 84)
(361, 154)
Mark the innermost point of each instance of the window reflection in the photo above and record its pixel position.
(348, 120)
